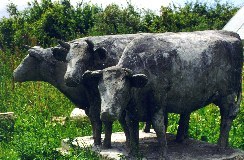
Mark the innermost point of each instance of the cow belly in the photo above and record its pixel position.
(188, 98)
(186, 106)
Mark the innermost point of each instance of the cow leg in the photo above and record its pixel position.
(108, 133)
(94, 110)
(133, 126)
(122, 122)
(166, 121)
(228, 111)
(182, 132)
(97, 130)
(94, 115)
(159, 127)
(147, 126)
(225, 127)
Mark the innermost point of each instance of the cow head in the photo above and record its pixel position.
(81, 56)
(36, 66)
(115, 86)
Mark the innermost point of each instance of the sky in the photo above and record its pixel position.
(142, 4)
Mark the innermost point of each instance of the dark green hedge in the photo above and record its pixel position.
(45, 22)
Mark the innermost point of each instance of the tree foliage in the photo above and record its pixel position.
(115, 20)
(46, 22)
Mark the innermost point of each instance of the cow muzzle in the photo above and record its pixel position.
(18, 75)
(15, 76)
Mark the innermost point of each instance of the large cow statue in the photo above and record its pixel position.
(97, 53)
(173, 72)
(42, 65)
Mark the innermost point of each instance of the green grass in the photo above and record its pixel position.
(35, 136)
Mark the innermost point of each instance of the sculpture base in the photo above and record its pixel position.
(190, 149)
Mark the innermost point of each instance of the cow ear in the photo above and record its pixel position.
(60, 53)
(90, 45)
(101, 53)
(138, 80)
(35, 52)
(89, 75)
(65, 45)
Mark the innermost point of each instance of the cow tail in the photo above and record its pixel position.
(238, 97)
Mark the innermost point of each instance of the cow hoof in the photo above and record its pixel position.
(97, 143)
(106, 146)
(179, 140)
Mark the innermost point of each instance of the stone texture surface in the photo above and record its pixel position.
(174, 72)
(190, 149)
(77, 113)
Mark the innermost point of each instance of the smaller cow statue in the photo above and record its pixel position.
(174, 72)
(40, 65)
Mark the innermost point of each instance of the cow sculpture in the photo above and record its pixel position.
(42, 65)
(173, 72)
(99, 53)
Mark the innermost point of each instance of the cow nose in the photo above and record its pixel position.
(17, 76)
(14, 75)
(106, 116)
(69, 81)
